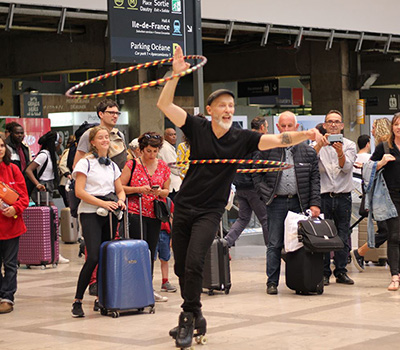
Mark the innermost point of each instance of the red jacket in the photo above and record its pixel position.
(11, 227)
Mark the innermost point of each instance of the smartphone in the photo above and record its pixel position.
(155, 187)
(335, 138)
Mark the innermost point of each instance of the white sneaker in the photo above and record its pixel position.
(159, 298)
(62, 260)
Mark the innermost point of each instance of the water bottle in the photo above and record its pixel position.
(3, 206)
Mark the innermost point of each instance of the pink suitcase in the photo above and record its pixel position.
(39, 245)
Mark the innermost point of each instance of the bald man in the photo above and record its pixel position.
(296, 189)
(168, 154)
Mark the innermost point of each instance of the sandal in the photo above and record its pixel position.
(394, 285)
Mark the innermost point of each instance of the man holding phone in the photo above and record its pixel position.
(336, 159)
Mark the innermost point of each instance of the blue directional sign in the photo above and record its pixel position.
(148, 30)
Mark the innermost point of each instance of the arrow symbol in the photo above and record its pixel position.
(189, 28)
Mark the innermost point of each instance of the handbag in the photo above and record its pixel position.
(319, 236)
(7, 194)
(161, 210)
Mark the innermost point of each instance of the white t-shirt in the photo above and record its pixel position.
(40, 159)
(356, 193)
(100, 180)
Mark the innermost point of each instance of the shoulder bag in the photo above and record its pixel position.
(319, 236)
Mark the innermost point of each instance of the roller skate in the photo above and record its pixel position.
(184, 334)
(200, 328)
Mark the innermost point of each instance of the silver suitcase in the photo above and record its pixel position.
(69, 227)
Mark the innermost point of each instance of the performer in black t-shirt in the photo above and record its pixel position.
(200, 203)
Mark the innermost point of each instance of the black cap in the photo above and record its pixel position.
(218, 93)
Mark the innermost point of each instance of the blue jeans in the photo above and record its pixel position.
(338, 208)
(163, 246)
(249, 201)
(277, 212)
(8, 258)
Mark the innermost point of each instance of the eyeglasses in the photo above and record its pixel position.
(331, 122)
(148, 136)
(113, 113)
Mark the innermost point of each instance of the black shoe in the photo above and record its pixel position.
(96, 306)
(272, 289)
(93, 289)
(77, 310)
(185, 330)
(326, 281)
(343, 278)
(358, 260)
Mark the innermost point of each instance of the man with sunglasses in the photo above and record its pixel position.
(203, 195)
(108, 113)
(336, 159)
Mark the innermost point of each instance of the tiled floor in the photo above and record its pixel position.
(363, 316)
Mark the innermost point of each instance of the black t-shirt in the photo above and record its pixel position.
(207, 186)
(391, 169)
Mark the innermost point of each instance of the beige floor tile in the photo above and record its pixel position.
(363, 316)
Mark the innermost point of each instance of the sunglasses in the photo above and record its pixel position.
(148, 136)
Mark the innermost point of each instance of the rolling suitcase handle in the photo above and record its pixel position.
(126, 225)
(47, 198)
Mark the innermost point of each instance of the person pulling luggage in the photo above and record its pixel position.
(96, 175)
(150, 177)
(296, 189)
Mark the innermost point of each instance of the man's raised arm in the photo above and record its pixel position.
(166, 100)
(287, 139)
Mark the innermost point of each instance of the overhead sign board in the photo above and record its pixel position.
(258, 88)
(147, 30)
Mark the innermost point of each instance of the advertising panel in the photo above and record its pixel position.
(34, 128)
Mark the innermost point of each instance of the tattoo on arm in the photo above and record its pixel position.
(286, 138)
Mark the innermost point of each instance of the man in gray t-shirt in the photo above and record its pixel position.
(108, 113)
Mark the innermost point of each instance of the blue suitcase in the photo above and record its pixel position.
(125, 281)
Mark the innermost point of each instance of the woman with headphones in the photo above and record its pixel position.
(97, 178)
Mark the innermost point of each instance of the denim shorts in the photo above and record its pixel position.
(163, 246)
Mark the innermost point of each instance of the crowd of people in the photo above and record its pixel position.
(106, 173)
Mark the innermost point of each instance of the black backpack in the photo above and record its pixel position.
(78, 133)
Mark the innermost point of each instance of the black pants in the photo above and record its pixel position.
(95, 231)
(192, 235)
(151, 232)
(382, 233)
(393, 248)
